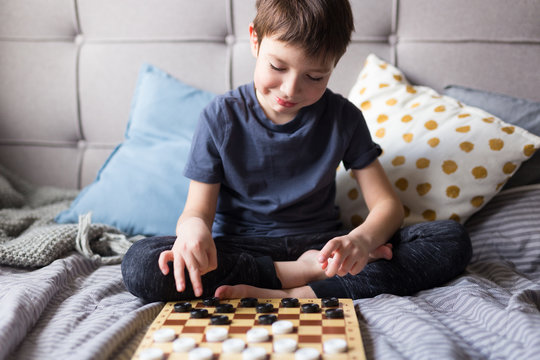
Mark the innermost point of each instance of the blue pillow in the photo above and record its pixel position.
(520, 112)
(141, 188)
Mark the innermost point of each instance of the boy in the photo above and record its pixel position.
(260, 218)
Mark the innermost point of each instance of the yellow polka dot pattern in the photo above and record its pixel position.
(444, 159)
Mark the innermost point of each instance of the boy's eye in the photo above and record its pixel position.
(314, 78)
(276, 68)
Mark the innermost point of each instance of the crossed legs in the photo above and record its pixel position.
(423, 256)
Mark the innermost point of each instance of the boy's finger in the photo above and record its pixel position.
(357, 267)
(334, 263)
(346, 266)
(196, 283)
(163, 261)
(324, 265)
(212, 259)
(200, 263)
(327, 251)
(199, 257)
(178, 266)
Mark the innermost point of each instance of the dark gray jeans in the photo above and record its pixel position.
(424, 256)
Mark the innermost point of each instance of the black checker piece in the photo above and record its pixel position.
(182, 307)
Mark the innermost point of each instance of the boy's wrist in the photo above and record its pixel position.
(188, 224)
(189, 218)
(363, 235)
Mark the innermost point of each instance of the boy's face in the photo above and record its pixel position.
(286, 80)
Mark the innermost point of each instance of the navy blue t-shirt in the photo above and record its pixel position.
(277, 180)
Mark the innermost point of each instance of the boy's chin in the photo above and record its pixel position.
(282, 116)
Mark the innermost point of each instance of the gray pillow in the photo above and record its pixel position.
(520, 112)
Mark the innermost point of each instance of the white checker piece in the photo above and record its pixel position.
(257, 335)
(151, 354)
(201, 353)
(254, 353)
(184, 344)
(216, 334)
(335, 346)
(282, 327)
(307, 354)
(164, 335)
(234, 345)
(285, 345)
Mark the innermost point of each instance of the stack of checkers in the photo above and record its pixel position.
(253, 329)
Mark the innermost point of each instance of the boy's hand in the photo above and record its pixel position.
(346, 255)
(195, 251)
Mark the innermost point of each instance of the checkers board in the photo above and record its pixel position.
(310, 330)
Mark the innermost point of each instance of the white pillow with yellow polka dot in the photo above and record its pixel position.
(445, 160)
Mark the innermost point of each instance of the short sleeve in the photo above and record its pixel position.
(204, 162)
(361, 151)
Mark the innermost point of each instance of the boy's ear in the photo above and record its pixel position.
(253, 41)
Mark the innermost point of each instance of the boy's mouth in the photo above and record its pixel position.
(285, 103)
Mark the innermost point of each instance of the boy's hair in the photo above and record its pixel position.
(322, 28)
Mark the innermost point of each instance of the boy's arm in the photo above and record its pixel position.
(351, 252)
(385, 209)
(194, 248)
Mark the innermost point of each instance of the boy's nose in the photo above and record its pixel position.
(290, 86)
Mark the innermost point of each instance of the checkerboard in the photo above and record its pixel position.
(310, 329)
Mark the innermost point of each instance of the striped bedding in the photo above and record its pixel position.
(76, 308)
(491, 312)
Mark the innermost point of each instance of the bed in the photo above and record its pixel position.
(82, 89)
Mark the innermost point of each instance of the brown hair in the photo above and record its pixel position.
(322, 28)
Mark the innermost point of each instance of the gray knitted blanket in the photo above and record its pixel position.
(30, 238)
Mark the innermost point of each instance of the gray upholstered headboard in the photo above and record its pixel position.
(68, 67)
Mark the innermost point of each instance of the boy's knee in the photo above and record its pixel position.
(134, 264)
(460, 235)
(459, 243)
(136, 257)
(447, 239)
(140, 270)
